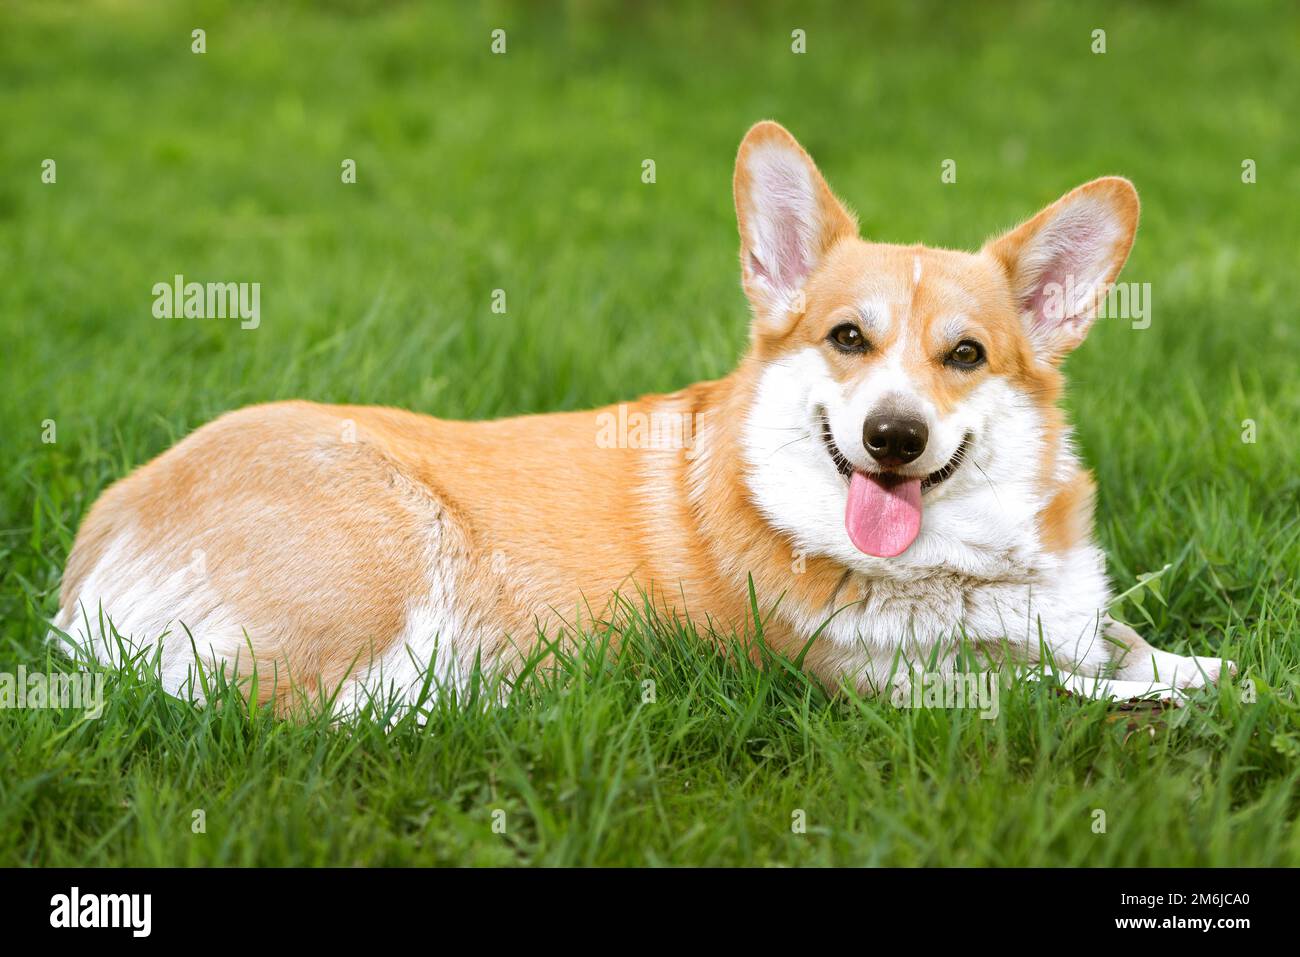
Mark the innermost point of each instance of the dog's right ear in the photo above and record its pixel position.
(789, 219)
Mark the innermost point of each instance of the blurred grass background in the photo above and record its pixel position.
(522, 172)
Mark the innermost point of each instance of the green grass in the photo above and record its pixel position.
(523, 172)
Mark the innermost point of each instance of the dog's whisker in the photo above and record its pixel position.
(792, 442)
(992, 487)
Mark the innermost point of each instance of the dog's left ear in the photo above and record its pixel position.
(1060, 264)
(788, 217)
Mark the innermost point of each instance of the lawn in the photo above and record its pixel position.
(522, 172)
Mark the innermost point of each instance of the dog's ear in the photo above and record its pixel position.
(788, 218)
(1060, 264)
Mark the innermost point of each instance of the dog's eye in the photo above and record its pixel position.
(848, 338)
(967, 354)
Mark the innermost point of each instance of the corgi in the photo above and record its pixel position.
(888, 459)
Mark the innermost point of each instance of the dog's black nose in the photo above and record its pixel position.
(894, 440)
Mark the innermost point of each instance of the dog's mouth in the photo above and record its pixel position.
(883, 513)
(930, 481)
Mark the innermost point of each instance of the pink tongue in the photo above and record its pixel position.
(883, 519)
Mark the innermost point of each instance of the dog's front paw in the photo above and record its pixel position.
(1187, 672)
(1145, 663)
(1198, 672)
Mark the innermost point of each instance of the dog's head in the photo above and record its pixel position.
(896, 385)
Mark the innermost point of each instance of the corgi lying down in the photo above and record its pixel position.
(888, 458)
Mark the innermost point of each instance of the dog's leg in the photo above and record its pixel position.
(1141, 671)
(1110, 689)
(1135, 660)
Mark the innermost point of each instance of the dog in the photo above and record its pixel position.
(888, 459)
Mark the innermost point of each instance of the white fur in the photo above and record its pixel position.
(132, 601)
(433, 648)
(424, 650)
(876, 317)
